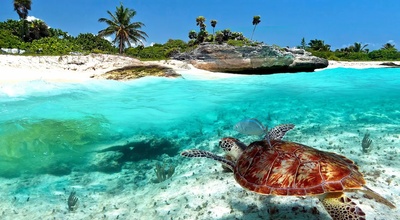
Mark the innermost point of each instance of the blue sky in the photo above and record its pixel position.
(339, 23)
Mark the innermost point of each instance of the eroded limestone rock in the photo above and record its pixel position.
(261, 59)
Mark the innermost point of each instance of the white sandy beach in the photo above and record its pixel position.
(357, 64)
(14, 69)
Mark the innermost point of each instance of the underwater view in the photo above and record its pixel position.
(111, 150)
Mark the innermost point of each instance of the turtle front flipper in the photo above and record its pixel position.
(341, 207)
(207, 154)
(278, 132)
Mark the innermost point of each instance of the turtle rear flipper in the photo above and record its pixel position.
(207, 154)
(377, 197)
(341, 207)
(278, 132)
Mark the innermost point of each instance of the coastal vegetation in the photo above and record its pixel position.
(40, 39)
(220, 37)
(36, 37)
(355, 52)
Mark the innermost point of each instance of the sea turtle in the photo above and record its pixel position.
(275, 167)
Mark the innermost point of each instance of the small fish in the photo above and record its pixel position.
(250, 126)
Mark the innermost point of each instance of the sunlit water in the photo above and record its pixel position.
(55, 122)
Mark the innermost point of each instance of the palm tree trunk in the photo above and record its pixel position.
(253, 32)
(120, 45)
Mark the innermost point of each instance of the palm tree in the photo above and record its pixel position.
(358, 47)
(227, 33)
(192, 34)
(319, 45)
(202, 35)
(200, 22)
(38, 29)
(213, 24)
(388, 46)
(126, 32)
(22, 7)
(256, 21)
(303, 44)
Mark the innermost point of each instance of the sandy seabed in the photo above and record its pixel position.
(199, 189)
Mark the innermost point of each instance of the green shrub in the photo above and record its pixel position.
(155, 52)
(219, 37)
(384, 54)
(97, 51)
(192, 43)
(241, 43)
(14, 26)
(180, 44)
(89, 42)
(51, 46)
(209, 38)
(322, 54)
(359, 56)
(171, 52)
(333, 57)
(236, 43)
(158, 51)
(8, 40)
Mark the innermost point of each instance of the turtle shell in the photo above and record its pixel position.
(289, 168)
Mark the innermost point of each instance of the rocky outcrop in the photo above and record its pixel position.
(138, 71)
(390, 64)
(12, 51)
(260, 59)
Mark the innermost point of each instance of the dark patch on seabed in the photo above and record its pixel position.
(57, 147)
(113, 158)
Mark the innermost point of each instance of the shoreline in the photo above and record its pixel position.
(359, 64)
(70, 68)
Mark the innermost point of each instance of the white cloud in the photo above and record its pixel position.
(391, 42)
(371, 44)
(109, 38)
(32, 18)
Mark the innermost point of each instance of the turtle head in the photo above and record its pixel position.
(232, 147)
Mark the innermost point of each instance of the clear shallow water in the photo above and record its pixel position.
(43, 124)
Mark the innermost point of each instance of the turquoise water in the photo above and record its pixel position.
(51, 123)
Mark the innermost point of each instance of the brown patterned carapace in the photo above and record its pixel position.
(289, 168)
